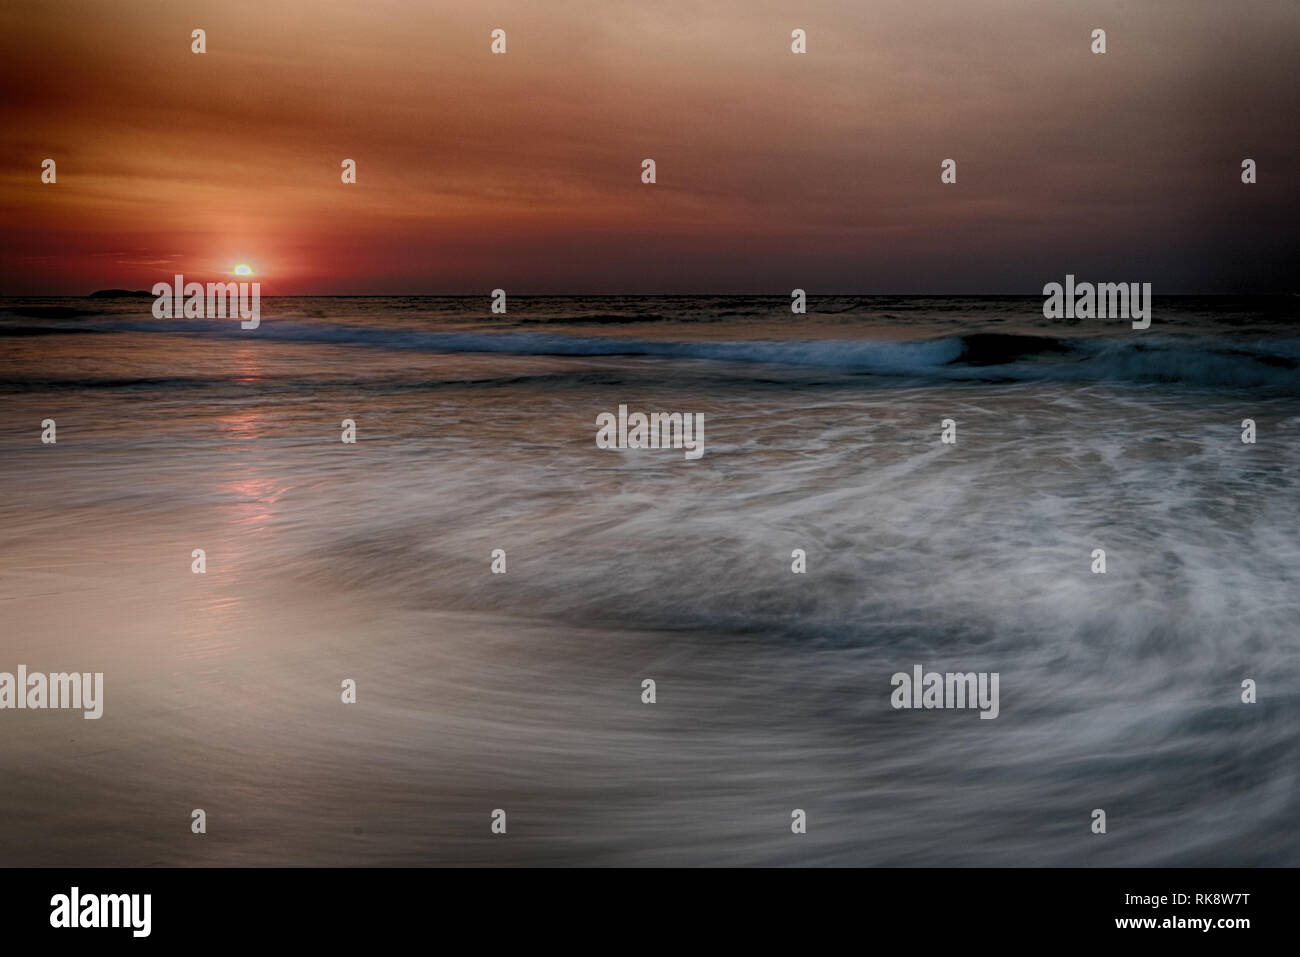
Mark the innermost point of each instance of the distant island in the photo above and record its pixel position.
(120, 294)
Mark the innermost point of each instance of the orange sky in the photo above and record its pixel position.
(774, 170)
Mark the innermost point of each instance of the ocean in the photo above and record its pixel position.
(522, 691)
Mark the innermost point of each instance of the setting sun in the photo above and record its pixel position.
(243, 269)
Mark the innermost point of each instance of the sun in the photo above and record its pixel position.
(243, 269)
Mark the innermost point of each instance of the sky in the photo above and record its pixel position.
(774, 170)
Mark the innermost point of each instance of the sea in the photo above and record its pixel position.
(629, 657)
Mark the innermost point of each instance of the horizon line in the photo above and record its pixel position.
(644, 295)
